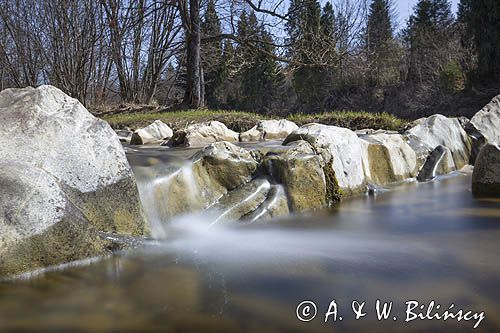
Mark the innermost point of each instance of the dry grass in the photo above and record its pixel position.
(241, 121)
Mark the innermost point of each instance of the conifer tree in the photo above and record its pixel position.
(211, 54)
(429, 33)
(380, 44)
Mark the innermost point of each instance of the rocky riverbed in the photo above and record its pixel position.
(67, 191)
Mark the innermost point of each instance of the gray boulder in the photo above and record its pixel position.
(155, 133)
(486, 174)
(487, 120)
(439, 130)
(301, 171)
(342, 154)
(202, 134)
(46, 130)
(387, 158)
(269, 130)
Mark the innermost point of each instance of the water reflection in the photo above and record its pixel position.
(427, 241)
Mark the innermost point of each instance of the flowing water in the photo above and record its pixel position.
(418, 241)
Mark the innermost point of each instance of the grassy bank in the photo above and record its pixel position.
(241, 121)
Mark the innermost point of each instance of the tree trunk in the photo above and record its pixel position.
(194, 97)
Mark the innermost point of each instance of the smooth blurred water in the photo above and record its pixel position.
(427, 241)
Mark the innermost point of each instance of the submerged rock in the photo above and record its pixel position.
(154, 133)
(45, 129)
(486, 174)
(387, 158)
(440, 130)
(341, 151)
(199, 135)
(269, 130)
(439, 162)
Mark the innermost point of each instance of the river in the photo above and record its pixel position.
(417, 241)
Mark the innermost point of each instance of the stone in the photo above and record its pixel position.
(124, 135)
(439, 130)
(269, 130)
(275, 205)
(241, 201)
(387, 158)
(47, 129)
(487, 120)
(200, 182)
(439, 162)
(39, 225)
(300, 170)
(486, 174)
(157, 132)
(202, 134)
(341, 151)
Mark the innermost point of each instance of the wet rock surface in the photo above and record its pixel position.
(486, 174)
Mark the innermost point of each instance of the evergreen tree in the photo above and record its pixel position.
(429, 35)
(258, 75)
(380, 44)
(211, 54)
(307, 39)
(482, 20)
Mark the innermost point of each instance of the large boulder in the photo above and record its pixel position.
(487, 120)
(269, 130)
(203, 134)
(39, 225)
(486, 174)
(46, 129)
(154, 133)
(387, 158)
(342, 155)
(439, 130)
(300, 170)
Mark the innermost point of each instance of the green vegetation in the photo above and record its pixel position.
(242, 121)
